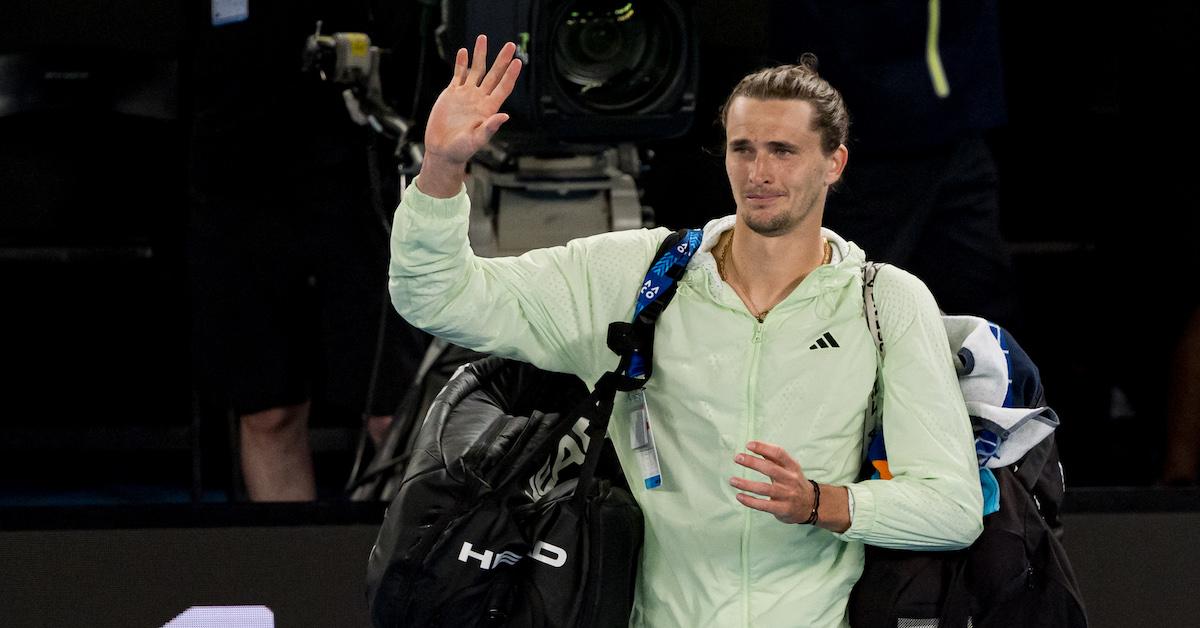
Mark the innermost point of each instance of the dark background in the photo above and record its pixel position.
(309, 571)
(97, 390)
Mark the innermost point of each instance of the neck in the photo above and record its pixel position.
(766, 263)
(764, 270)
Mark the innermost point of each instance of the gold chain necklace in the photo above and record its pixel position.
(761, 314)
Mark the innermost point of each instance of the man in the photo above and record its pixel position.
(925, 83)
(751, 416)
(286, 267)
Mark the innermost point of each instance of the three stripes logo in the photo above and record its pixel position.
(826, 341)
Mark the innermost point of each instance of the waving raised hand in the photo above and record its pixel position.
(466, 114)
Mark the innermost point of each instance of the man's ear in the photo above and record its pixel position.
(837, 163)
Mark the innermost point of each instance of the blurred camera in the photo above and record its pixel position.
(595, 70)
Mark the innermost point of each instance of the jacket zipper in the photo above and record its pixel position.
(751, 410)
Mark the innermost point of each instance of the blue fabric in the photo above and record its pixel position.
(877, 450)
(659, 279)
(987, 480)
(991, 491)
(987, 443)
(1025, 382)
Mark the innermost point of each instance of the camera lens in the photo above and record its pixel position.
(614, 56)
(595, 43)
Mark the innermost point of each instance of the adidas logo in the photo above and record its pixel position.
(825, 342)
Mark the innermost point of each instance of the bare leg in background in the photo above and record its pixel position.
(377, 427)
(277, 460)
(1183, 409)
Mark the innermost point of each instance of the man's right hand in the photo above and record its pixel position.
(465, 116)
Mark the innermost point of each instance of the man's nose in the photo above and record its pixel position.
(760, 169)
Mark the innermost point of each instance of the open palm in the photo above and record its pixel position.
(466, 113)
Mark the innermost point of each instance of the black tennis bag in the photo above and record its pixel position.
(507, 515)
(1017, 572)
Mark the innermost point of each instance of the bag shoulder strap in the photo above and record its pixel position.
(870, 271)
(634, 341)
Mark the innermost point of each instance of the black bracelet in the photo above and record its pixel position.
(812, 517)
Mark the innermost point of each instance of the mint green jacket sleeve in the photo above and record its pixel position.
(934, 500)
(550, 307)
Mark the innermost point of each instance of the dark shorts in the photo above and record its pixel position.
(289, 288)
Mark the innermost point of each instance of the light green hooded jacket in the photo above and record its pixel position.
(722, 378)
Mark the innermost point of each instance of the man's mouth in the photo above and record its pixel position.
(762, 196)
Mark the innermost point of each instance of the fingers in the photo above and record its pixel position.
(779, 509)
(489, 128)
(776, 472)
(783, 494)
(762, 488)
(499, 68)
(460, 67)
(493, 123)
(478, 61)
(499, 81)
(507, 82)
(785, 501)
(774, 453)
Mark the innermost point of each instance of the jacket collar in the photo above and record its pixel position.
(845, 267)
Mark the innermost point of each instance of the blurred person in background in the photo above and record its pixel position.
(287, 254)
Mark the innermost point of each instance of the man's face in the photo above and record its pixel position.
(775, 165)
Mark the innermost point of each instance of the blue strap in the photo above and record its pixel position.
(660, 279)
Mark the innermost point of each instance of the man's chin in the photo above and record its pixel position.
(769, 224)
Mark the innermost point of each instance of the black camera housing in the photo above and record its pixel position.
(605, 71)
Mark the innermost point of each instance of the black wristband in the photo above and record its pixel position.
(812, 517)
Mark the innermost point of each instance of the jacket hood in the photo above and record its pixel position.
(844, 268)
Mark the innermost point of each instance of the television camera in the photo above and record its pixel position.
(599, 76)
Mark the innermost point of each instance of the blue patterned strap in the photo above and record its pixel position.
(634, 341)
